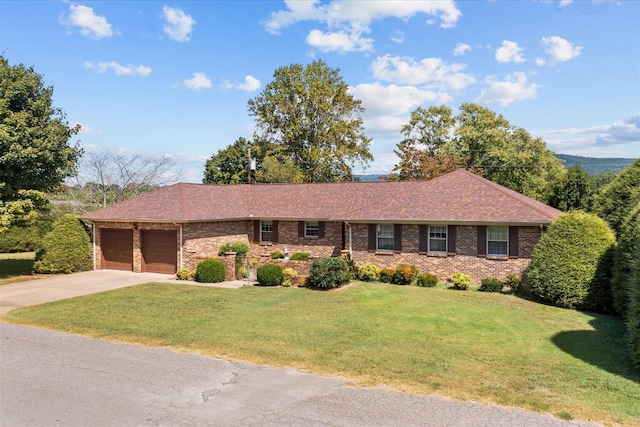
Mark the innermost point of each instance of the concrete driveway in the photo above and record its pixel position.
(64, 286)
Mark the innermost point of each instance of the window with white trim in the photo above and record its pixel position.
(498, 241)
(311, 229)
(384, 237)
(266, 231)
(438, 239)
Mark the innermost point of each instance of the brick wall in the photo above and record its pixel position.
(329, 245)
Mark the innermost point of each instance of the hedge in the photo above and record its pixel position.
(65, 249)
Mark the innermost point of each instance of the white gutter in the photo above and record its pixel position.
(350, 238)
(180, 225)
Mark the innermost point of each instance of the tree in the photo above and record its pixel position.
(273, 170)
(576, 190)
(620, 196)
(108, 177)
(436, 141)
(567, 267)
(633, 309)
(229, 165)
(35, 155)
(65, 249)
(307, 114)
(628, 245)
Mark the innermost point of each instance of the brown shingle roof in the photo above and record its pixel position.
(458, 197)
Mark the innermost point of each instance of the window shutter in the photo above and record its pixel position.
(372, 237)
(397, 237)
(482, 240)
(451, 239)
(513, 242)
(423, 243)
(321, 230)
(274, 239)
(256, 231)
(301, 226)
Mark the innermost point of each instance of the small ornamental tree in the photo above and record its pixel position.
(564, 269)
(65, 249)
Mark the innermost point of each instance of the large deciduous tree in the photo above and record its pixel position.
(437, 141)
(308, 115)
(229, 165)
(576, 190)
(35, 154)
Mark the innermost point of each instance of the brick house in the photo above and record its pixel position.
(457, 222)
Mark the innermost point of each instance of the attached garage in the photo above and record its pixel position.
(117, 249)
(159, 251)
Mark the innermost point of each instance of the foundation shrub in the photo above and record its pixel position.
(210, 271)
(404, 274)
(185, 274)
(329, 273)
(461, 281)
(513, 282)
(386, 275)
(300, 256)
(289, 276)
(491, 285)
(269, 275)
(65, 249)
(427, 280)
(369, 272)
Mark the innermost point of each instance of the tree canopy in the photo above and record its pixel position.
(229, 165)
(35, 154)
(306, 114)
(437, 141)
(620, 196)
(575, 190)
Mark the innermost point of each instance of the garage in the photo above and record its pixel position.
(159, 251)
(117, 249)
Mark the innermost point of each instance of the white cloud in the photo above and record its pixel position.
(346, 20)
(197, 82)
(250, 84)
(398, 37)
(560, 49)
(179, 25)
(461, 49)
(509, 52)
(90, 24)
(431, 72)
(85, 129)
(515, 87)
(339, 41)
(540, 61)
(119, 70)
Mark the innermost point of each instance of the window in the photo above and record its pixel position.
(385, 237)
(498, 241)
(266, 231)
(312, 229)
(438, 239)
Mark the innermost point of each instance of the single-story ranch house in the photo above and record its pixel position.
(457, 222)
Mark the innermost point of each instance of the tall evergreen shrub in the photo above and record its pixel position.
(66, 248)
(622, 281)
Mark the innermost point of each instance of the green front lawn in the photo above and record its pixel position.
(490, 348)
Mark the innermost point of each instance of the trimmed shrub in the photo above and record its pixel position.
(622, 275)
(564, 266)
(329, 273)
(300, 256)
(269, 275)
(491, 285)
(289, 276)
(633, 308)
(619, 197)
(369, 272)
(276, 255)
(210, 271)
(386, 275)
(427, 280)
(185, 274)
(404, 275)
(513, 281)
(65, 249)
(461, 281)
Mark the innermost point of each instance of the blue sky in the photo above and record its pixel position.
(175, 77)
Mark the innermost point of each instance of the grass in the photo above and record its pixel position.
(489, 348)
(16, 267)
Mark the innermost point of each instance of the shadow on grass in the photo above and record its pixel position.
(606, 347)
(15, 267)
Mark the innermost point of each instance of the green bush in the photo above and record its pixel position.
(404, 274)
(564, 266)
(386, 275)
(210, 271)
(491, 285)
(65, 249)
(369, 272)
(329, 273)
(461, 281)
(269, 275)
(619, 197)
(185, 274)
(427, 280)
(240, 248)
(289, 276)
(300, 256)
(513, 281)
(276, 255)
(622, 275)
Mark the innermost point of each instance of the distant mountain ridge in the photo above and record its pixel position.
(592, 165)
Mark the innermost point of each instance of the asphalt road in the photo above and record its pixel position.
(53, 379)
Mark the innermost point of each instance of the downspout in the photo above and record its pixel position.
(180, 225)
(350, 238)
